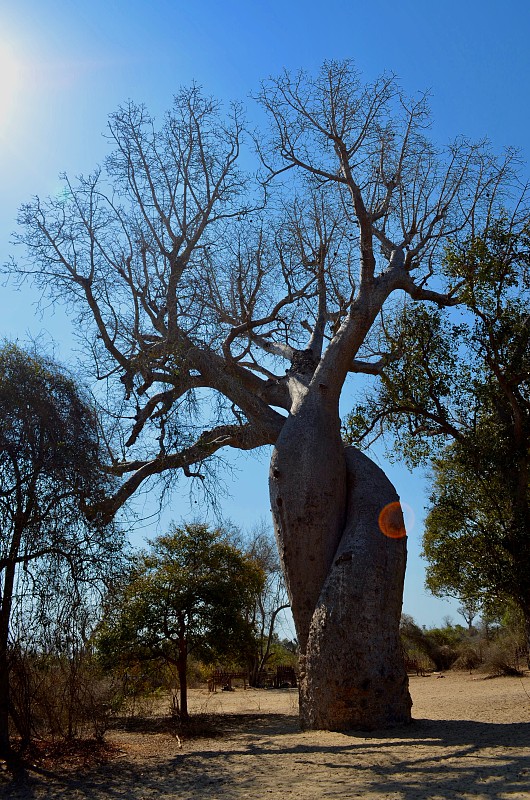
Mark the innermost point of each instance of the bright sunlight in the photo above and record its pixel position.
(10, 84)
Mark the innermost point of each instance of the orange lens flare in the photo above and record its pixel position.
(391, 521)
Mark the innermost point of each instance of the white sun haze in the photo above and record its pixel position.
(11, 85)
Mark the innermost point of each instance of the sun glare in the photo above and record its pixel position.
(10, 84)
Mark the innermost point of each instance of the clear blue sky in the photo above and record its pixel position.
(66, 64)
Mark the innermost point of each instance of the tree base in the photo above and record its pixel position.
(356, 701)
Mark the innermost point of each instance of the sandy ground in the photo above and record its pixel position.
(470, 739)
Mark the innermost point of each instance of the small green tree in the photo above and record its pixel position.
(190, 592)
(49, 471)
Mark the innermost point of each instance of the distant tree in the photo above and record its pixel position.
(225, 314)
(270, 602)
(458, 393)
(50, 469)
(469, 609)
(190, 592)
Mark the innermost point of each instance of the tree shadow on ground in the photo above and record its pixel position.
(260, 754)
(208, 725)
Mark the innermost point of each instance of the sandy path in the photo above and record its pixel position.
(471, 739)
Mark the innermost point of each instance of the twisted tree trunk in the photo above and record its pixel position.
(341, 539)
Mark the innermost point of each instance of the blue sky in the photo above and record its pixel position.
(65, 65)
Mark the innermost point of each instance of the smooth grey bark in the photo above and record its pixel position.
(354, 675)
(308, 500)
(345, 576)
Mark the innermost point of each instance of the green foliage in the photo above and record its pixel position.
(50, 472)
(464, 540)
(440, 372)
(437, 647)
(489, 267)
(419, 391)
(49, 442)
(189, 593)
(457, 396)
(282, 653)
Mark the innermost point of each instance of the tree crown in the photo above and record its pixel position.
(212, 305)
(191, 589)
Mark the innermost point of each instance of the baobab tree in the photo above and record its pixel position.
(223, 313)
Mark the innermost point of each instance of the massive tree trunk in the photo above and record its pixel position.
(342, 543)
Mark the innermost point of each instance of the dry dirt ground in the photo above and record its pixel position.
(470, 739)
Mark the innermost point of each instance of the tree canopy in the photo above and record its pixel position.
(200, 290)
(192, 591)
(459, 392)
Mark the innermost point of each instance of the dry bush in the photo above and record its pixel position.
(504, 653)
(468, 659)
(499, 659)
(58, 697)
